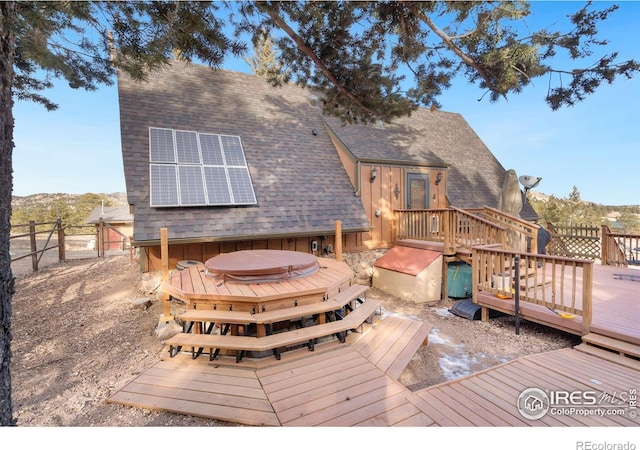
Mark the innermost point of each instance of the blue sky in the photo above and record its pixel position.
(594, 145)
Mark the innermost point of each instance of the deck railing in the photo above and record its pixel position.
(458, 228)
(620, 249)
(520, 235)
(562, 284)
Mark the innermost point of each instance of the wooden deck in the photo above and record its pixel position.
(355, 385)
(359, 374)
(488, 398)
(343, 388)
(616, 306)
(197, 289)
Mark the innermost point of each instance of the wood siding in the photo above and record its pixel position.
(387, 193)
(150, 256)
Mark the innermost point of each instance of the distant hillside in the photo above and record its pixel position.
(31, 201)
(72, 209)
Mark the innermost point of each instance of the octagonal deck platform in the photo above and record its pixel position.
(259, 281)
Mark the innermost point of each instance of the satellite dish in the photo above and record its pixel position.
(529, 182)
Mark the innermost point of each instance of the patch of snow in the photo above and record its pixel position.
(456, 365)
(455, 360)
(443, 312)
(436, 338)
(386, 313)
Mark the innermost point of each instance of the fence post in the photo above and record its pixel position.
(61, 251)
(34, 245)
(100, 239)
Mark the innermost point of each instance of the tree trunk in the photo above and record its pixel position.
(7, 52)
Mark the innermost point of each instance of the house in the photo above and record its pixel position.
(226, 162)
(114, 225)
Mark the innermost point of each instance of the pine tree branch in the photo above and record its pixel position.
(311, 54)
(450, 44)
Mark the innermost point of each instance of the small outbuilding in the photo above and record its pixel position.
(412, 271)
(114, 226)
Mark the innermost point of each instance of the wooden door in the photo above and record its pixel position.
(417, 191)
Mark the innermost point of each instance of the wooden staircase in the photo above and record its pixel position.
(611, 349)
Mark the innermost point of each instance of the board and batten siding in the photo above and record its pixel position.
(387, 192)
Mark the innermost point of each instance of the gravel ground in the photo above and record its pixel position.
(77, 338)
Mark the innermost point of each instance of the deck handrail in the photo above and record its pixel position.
(454, 227)
(559, 283)
(521, 235)
(619, 249)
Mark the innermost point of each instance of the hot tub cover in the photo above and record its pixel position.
(262, 265)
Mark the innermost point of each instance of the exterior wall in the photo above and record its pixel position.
(113, 240)
(388, 193)
(426, 287)
(150, 256)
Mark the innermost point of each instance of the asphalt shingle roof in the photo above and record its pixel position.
(299, 181)
(434, 138)
(300, 184)
(110, 214)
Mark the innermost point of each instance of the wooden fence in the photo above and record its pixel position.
(574, 241)
(28, 243)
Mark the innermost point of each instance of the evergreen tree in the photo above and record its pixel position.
(352, 51)
(265, 62)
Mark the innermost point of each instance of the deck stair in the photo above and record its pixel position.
(277, 341)
(611, 349)
(392, 342)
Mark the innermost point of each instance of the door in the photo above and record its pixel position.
(417, 191)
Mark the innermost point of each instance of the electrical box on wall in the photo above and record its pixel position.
(314, 246)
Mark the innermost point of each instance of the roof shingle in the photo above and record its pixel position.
(300, 184)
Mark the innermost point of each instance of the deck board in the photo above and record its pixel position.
(302, 386)
(392, 342)
(342, 387)
(199, 391)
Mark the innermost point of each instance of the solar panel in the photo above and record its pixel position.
(241, 186)
(211, 149)
(198, 169)
(233, 153)
(161, 145)
(164, 185)
(187, 147)
(215, 179)
(191, 186)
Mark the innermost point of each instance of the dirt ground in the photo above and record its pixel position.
(78, 338)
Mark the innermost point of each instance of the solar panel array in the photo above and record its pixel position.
(188, 168)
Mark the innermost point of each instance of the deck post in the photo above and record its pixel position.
(587, 297)
(164, 256)
(338, 240)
